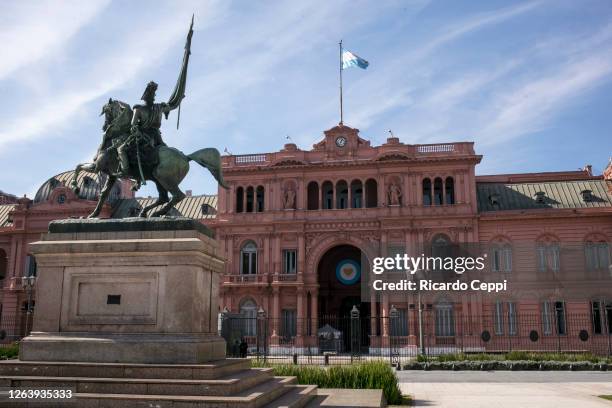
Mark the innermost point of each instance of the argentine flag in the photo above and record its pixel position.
(351, 60)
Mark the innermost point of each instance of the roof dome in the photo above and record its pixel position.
(90, 186)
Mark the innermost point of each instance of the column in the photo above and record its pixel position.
(333, 195)
(244, 199)
(231, 202)
(385, 315)
(275, 310)
(301, 317)
(364, 194)
(301, 254)
(320, 186)
(275, 256)
(314, 312)
(373, 316)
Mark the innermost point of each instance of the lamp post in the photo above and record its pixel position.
(28, 282)
(420, 314)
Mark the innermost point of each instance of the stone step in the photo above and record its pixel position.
(342, 398)
(297, 397)
(256, 397)
(228, 385)
(206, 371)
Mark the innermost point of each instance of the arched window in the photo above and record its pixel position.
(3, 264)
(426, 191)
(438, 199)
(248, 259)
(30, 266)
(356, 194)
(328, 195)
(341, 195)
(250, 198)
(260, 199)
(248, 314)
(313, 195)
(239, 199)
(597, 255)
(450, 191)
(371, 190)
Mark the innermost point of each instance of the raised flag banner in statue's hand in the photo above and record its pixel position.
(351, 60)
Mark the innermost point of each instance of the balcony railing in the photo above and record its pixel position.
(287, 277)
(436, 148)
(245, 278)
(250, 159)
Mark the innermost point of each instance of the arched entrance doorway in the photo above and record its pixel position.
(339, 276)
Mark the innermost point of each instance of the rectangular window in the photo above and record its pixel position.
(399, 325)
(596, 317)
(507, 259)
(289, 261)
(512, 324)
(499, 318)
(288, 323)
(445, 321)
(560, 318)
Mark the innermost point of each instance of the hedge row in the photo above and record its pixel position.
(515, 356)
(509, 365)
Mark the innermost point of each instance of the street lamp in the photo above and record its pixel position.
(420, 315)
(28, 282)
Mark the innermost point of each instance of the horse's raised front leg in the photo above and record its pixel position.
(110, 181)
(162, 198)
(90, 167)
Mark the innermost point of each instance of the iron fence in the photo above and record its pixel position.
(400, 336)
(13, 327)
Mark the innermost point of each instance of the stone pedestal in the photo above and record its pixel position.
(129, 291)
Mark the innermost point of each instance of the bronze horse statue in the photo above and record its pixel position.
(167, 172)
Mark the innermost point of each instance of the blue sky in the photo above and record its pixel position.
(528, 81)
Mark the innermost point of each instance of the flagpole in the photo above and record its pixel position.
(341, 112)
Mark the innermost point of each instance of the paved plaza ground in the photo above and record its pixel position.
(507, 389)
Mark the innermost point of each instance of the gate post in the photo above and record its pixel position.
(262, 334)
(355, 333)
(609, 330)
(393, 340)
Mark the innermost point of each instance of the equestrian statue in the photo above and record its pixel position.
(132, 147)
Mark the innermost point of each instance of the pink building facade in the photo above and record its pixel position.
(294, 221)
(291, 217)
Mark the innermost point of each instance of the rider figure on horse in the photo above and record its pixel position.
(145, 132)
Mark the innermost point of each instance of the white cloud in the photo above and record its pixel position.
(31, 31)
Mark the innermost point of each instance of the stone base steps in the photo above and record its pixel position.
(228, 383)
(206, 371)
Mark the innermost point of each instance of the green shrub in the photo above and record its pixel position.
(514, 356)
(368, 375)
(9, 352)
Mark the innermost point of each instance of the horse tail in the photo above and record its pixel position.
(211, 159)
